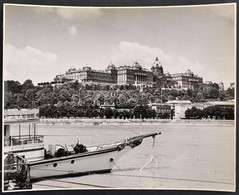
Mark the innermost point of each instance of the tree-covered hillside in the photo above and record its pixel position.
(74, 99)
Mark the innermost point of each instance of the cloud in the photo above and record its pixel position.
(29, 63)
(72, 30)
(129, 52)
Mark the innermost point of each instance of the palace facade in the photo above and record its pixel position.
(122, 75)
(187, 80)
(135, 75)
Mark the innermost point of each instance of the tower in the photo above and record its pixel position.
(112, 69)
(221, 86)
(157, 68)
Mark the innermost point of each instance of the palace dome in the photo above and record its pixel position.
(167, 73)
(137, 65)
(111, 66)
(189, 72)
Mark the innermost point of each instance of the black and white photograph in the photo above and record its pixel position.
(119, 97)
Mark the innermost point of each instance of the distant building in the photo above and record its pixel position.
(161, 108)
(123, 75)
(221, 86)
(187, 80)
(208, 83)
(223, 104)
(180, 106)
(135, 75)
(157, 68)
(88, 75)
(61, 78)
(232, 85)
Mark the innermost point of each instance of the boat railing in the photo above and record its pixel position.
(22, 115)
(20, 120)
(23, 140)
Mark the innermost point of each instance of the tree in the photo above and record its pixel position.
(12, 86)
(64, 95)
(230, 92)
(75, 98)
(199, 97)
(115, 113)
(95, 113)
(152, 113)
(211, 91)
(170, 97)
(75, 85)
(121, 87)
(101, 113)
(229, 114)
(125, 114)
(74, 111)
(121, 115)
(222, 95)
(140, 111)
(62, 111)
(27, 85)
(209, 112)
(198, 114)
(21, 101)
(108, 113)
(48, 111)
(194, 113)
(31, 97)
(48, 98)
(188, 114)
(80, 113)
(89, 113)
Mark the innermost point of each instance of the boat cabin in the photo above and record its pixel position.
(20, 134)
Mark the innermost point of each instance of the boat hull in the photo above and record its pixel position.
(99, 161)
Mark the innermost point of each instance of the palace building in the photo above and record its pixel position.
(135, 75)
(88, 75)
(123, 75)
(187, 80)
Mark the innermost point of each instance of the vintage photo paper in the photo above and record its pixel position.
(119, 98)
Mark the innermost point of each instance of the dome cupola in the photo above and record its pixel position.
(189, 72)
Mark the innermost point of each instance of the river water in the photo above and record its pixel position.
(190, 156)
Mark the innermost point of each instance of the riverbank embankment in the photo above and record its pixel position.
(97, 121)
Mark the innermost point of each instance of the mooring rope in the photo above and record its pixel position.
(116, 165)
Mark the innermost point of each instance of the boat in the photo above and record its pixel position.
(37, 163)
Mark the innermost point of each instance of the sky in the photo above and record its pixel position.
(41, 42)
